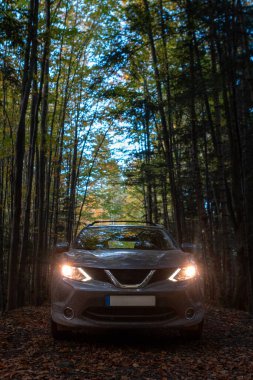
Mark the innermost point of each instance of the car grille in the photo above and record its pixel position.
(129, 314)
(130, 276)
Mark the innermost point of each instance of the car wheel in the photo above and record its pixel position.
(58, 331)
(193, 332)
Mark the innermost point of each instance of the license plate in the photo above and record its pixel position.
(130, 300)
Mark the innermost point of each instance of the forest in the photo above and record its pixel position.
(126, 109)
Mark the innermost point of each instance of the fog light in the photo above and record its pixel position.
(68, 313)
(189, 313)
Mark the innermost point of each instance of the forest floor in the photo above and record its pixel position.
(27, 351)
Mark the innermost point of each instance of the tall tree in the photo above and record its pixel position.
(28, 72)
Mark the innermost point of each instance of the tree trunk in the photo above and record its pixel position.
(41, 248)
(212, 285)
(19, 156)
(25, 250)
(165, 130)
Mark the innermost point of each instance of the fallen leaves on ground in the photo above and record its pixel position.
(28, 352)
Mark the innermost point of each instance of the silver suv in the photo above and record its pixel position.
(118, 275)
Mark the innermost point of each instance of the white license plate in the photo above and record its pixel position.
(130, 301)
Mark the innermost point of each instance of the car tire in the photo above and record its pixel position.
(57, 331)
(193, 332)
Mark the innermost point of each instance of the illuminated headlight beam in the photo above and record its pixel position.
(184, 273)
(74, 273)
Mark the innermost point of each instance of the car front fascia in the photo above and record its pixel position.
(79, 296)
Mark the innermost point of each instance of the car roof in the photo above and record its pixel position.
(123, 223)
(126, 226)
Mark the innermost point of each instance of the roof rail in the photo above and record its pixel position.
(120, 221)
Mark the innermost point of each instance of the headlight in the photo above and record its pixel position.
(184, 273)
(74, 273)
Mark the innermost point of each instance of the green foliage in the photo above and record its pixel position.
(12, 27)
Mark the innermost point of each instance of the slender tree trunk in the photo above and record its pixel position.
(147, 167)
(244, 101)
(25, 250)
(41, 249)
(72, 195)
(222, 180)
(229, 53)
(49, 203)
(88, 179)
(19, 156)
(165, 130)
(2, 276)
(202, 216)
(59, 150)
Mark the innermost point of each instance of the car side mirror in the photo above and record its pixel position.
(190, 247)
(61, 247)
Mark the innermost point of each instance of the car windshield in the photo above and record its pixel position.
(118, 237)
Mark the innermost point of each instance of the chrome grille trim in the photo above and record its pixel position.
(131, 286)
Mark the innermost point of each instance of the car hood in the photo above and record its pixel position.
(127, 259)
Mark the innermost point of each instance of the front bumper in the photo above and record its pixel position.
(83, 305)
